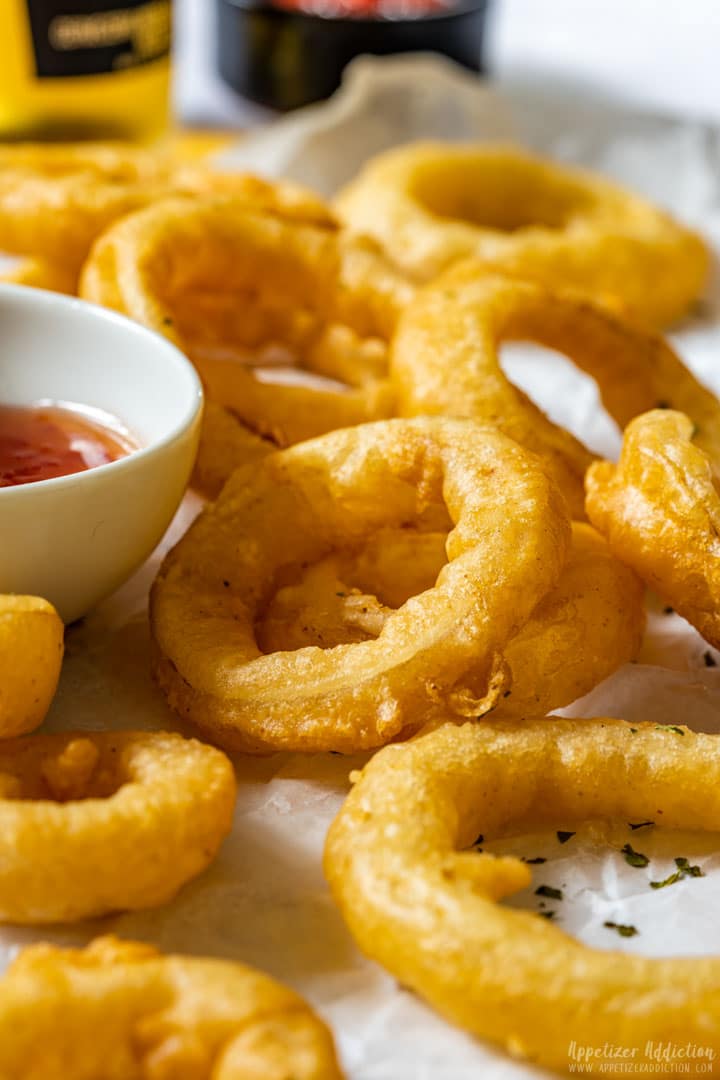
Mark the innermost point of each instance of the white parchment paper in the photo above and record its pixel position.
(264, 901)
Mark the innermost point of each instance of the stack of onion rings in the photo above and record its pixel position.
(55, 199)
(218, 279)
(431, 204)
(428, 910)
(444, 360)
(660, 511)
(31, 652)
(439, 652)
(357, 582)
(106, 821)
(122, 1011)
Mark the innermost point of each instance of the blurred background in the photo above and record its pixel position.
(89, 68)
(659, 56)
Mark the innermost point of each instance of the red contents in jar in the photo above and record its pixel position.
(45, 441)
(367, 9)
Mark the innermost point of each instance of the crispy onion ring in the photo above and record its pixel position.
(225, 445)
(185, 250)
(55, 199)
(589, 624)
(444, 360)
(261, 415)
(31, 652)
(582, 631)
(106, 821)
(123, 1011)
(438, 652)
(431, 204)
(427, 910)
(660, 511)
(218, 279)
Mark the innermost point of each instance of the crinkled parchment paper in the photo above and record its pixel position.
(264, 901)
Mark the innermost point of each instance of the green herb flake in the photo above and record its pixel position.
(479, 840)
(633, 731)
(536, 861)
(640, 824)
(622, 929)
(684, 870)
(549, 891)
(667, 881)
(687, 870)
(547, 914)
(342, 594)
(670, 727)
(634, 858)
(563, 837)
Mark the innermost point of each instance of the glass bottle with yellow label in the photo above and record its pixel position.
(73, 69)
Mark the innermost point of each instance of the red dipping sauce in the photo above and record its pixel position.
(40, 442)
(368, 9)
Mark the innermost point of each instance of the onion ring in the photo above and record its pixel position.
(225, 445)
(55, 199)
(106, 821)
(431, 204)
(438, 652)
(31, 652)
(582, 631)
(123, 1011)
(283, 414)
(200, 272)
(178, 252)
(427, 910)
(589, 624)
(660, 511)
(444, 360)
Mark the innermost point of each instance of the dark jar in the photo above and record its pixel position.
(288, 58)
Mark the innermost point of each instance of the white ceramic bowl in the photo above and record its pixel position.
(74, 539)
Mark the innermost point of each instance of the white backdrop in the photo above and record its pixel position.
(661, 55)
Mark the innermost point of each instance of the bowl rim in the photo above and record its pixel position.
(30, 298)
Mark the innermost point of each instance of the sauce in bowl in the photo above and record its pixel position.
(41, 442)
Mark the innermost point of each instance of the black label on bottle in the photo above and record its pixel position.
(92, 37)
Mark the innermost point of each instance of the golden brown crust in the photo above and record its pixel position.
(221, 280)
(31, 652)
(582, 630)
(444, 361)
(426, 908)
(660, 511)
(431, 204)
(122, 1011)
(55, 199)
(95, 822)
(438, 652)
